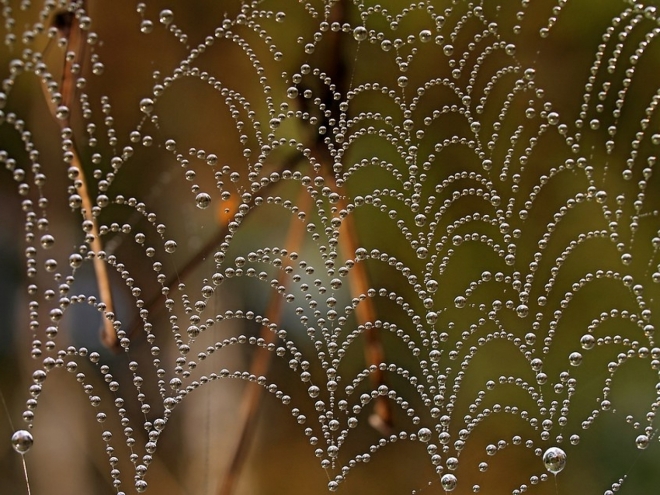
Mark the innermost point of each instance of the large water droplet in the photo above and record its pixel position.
(47, 241)
(170, 246)
(360, 33)
(554, 460)
(460, 302)
(448, 482)
(22, 441)
(424, 434)
(146, 105)
(203, 200)
(642, 441)
(166, 16)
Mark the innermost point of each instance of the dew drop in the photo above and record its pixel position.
(203, 200)
(166, 16)
(146, 105)
(424, 434)
(425, 35)
(587, 341)
(554, 460)
(460, 302)
(522, 310)
(422, 252)
(170, 246)
(360, 33)
(575, 358)
(75, 260)
(642, 441)
(448, 482)
(22, 441)
(62, 112)
(146, 26)
(47, 241)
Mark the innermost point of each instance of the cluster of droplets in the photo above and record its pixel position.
(494, 201)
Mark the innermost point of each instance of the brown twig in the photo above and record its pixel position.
(381, 419)
(259, 366)
(67, 25)
(153, 305)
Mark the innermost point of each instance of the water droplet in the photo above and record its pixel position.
(448, 482)
(203, 200)
(642, 441)
(146, 26)
(170, 246)
(425, 35)
(166, 16)
(75, 260)
(146, 105)
(62, 112)
(360, 33)
(47, 241)
(575, 358)
(554, 460)
(292, 92)
(587, 341)
(460, 302)
(424, 434)
(22, 441)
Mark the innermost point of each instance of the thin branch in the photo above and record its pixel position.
(68, 26)
(154, 304)
(261, 359)
(381, 419)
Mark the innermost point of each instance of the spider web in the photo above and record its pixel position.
(430, 233)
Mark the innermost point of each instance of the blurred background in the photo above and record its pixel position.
(219, 79)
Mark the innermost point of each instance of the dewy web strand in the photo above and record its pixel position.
(428, 233)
